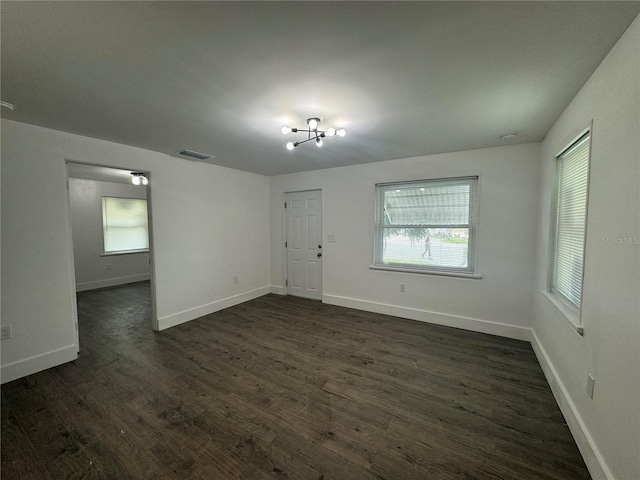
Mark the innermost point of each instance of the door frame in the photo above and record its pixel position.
(154, 311)
(285, 260)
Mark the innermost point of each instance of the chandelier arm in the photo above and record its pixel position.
(298, 130)
(308, 131)
(308, 140)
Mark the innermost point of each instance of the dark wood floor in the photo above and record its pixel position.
(282, 387)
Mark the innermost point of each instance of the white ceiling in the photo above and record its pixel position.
(404, 78)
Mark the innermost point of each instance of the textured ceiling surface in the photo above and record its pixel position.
(404, 78)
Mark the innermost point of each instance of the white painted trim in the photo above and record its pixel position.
(72, 271)
(465, 323)
(586, 444)
(442, 273)
(152, 257)
(125, 252)
(112, 282)
(285, 267)
(37, 363)
(197, 312)
(278, 290)
(571, 316)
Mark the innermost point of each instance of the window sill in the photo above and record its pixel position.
(390, 268)
(570, 315)
(127, 252)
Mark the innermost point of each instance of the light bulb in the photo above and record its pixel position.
(135, 179)
(290, 146)
(341, 133)
(145, 181)
(285, 130)
(330, 132)
(319, 142)
(313, 123)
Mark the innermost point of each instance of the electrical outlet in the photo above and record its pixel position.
(235, 279)
(5, 332)
(331, 238)
(402, 288)
(591, 383)
(108, 266)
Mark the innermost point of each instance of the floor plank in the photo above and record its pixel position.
(282, 387)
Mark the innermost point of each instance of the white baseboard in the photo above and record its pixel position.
(197, 312)
(277, 290)
(37, 363)
(590, 453)
(466, 323)
(111, 282)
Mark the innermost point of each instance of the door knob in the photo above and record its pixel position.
(319, 254)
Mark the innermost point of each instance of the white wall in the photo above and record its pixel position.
(606, 427)
(499, 303)
(209, 224)
(92, 268)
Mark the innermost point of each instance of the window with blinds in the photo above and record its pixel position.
(125, 225)
(427, 225)
(572, 185)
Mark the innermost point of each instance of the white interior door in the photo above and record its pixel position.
(304, 244)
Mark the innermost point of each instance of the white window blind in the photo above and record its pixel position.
(570, 223)
(427, 225)
(125, 224)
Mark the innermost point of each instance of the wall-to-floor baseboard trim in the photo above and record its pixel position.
(277, 290)
(201, 311)
(111, 282)
(37, 363)
(590, 453)
(473, 324)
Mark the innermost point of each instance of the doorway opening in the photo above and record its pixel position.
(110, 223)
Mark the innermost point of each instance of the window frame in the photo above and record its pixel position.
(106, 253)
(470, 271)
(569, 310)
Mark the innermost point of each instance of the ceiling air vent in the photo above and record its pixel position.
(196, 155)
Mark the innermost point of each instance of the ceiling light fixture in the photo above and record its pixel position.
(139, 178)
(313, 133)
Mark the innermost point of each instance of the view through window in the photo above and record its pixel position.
(125, 225)
(427, 225)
